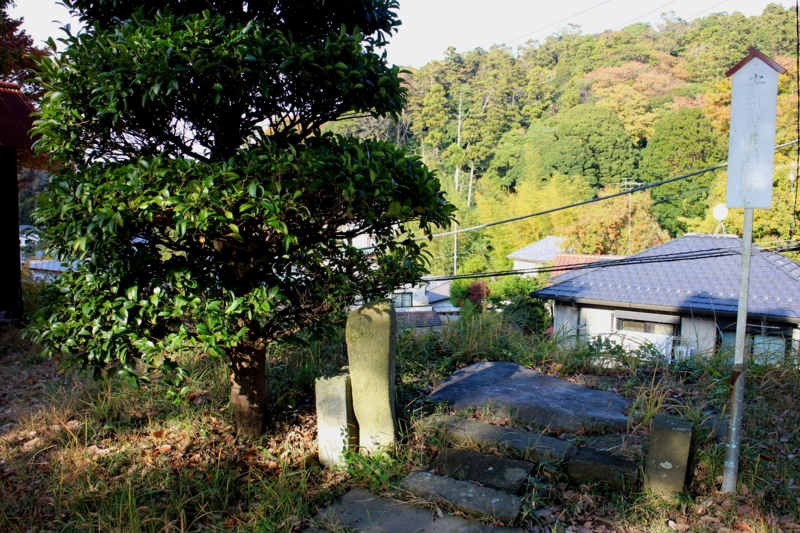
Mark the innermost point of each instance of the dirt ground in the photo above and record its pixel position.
(24, 376)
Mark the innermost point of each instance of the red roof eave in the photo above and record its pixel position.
(15, 117)
(755, 53)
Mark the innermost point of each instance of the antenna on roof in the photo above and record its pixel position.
(720, 213)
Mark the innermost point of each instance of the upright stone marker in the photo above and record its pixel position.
(371, 344)
(337, 429)
(668, 455)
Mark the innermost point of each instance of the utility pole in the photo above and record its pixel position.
(455, 248)
(751, 163)
(627, 185)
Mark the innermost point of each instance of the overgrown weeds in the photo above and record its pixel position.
(108, 456)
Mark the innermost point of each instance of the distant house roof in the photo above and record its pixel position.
(542, 251)
(438, 291)
(47, 265)
(15, 117)
(418, 319)
(704, 281)
(565, 262)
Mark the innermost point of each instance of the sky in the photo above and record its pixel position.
(431, 26)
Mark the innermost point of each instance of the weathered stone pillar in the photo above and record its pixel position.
(668, 455)
(371, 343)
(337, 429)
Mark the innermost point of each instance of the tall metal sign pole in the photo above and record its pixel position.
(751, 159)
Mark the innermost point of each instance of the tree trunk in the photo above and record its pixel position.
(248, 387)
(471, 175)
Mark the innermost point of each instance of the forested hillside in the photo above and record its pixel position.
(579, 116)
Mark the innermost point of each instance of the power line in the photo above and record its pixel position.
(644, 15)
(557, 22)
(665, 258)
(591, 200)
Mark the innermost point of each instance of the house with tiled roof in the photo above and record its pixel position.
(565, 262)
(425, 305)
(538, 254)
(682, 297)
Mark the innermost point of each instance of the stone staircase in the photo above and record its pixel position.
(486, 485)
(474, 483)
(477, 484)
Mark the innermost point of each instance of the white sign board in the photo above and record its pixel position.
(751, 148)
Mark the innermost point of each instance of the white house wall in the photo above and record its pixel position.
(796, 340)
(699, 333)
(596, 322)
(527, 265)
(565, 319)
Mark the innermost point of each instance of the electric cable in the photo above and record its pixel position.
(644, 15)
(591, 200)
(556, 22)
(665, 258)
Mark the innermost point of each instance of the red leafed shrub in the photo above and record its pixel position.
(478, 292)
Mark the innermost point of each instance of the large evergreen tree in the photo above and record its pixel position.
(683, 141)
(202, 204)
(588, 141)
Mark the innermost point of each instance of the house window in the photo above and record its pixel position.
(402, 300)
(640, 326)
(766, 344)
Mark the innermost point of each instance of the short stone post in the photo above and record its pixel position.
(337, 429)
(668, 455)
(371, 342)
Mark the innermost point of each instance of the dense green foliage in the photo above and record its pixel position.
(568, 118)
(188, 222)
(683, 141)
(509, 294)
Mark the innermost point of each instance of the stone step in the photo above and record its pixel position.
(489, 470)
(535, 398)
(362, 512)
(466, 496)
(467, 431)
(585, 464)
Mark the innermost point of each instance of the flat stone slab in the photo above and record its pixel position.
(534, 397)
(534, 445)
(363, 512)
(490, 470)
(466, 496)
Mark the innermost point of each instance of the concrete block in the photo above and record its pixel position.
(466, 496)
(337, 429)
(371, 343)
(668, 454)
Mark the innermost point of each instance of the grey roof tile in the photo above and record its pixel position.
(706, 284)
(544, 250)
(418, 319)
